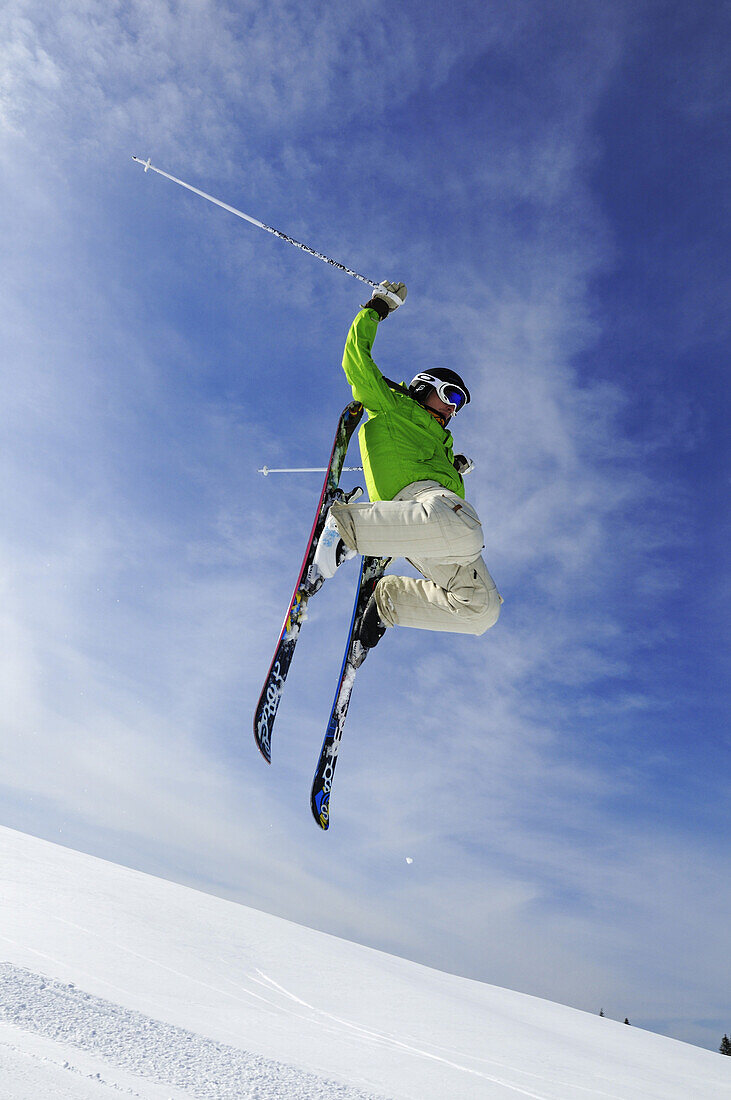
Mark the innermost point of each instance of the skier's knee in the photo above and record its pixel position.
(479, 599)
(384, 593)
(490, 613)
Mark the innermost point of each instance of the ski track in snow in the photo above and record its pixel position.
(10, 1049)
(369, 1035)
(151, 1048)
(34, 1067)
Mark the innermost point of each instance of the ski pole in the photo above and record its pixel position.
(254, 221)
(265, 470)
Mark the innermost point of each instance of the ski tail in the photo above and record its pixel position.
(371, 571)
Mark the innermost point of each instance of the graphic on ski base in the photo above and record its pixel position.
(268, 704)
(371, 571)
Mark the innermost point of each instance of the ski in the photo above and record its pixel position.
(266, 709)
(371, 571)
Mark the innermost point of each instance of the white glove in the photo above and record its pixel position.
(463, 465)
(387, 297)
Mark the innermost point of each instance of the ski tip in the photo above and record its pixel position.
(263, 748)
(321, 811)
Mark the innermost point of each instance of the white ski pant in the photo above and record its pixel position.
(441, 536)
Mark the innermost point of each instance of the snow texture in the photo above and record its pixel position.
(116, 984)
(35, 1068)
(152, 1048)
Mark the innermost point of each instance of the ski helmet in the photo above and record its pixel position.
(447, 383)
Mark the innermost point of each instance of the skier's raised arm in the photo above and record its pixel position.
(361, 371)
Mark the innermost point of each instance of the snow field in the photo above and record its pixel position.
(167, 987)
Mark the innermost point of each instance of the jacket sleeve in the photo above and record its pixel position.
(364, 376)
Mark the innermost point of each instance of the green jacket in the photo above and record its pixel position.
(400, 442)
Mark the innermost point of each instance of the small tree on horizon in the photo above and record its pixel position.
(725, 1047)
(626, 1020)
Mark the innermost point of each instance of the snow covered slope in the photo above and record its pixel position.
(116, 983)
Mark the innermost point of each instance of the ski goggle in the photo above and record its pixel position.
(448, 392)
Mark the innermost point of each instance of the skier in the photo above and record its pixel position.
(418, 509)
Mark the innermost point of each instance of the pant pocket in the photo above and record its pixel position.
(468, 517)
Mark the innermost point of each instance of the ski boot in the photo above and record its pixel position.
(330, 552)
(371, 629)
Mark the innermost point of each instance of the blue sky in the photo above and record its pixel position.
(550, 181)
